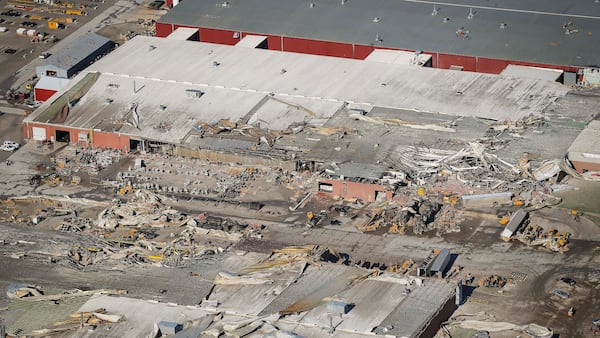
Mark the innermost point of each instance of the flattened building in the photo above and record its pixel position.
(480, 36)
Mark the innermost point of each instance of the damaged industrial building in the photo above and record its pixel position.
(220, 181)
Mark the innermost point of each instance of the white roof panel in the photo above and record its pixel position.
(251, 41)
(51, 83)
(398, 57)
(526, 72)
(182, 33)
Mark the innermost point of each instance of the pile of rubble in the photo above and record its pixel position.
(73, 159)
(534, 235)
(143, 209)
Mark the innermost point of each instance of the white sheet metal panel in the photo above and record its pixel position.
(51, 83)
(526, 72)
(183, 33)
(39, 134)
(251, 41)
(398, 57)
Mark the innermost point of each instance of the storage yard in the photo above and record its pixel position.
(173, 187)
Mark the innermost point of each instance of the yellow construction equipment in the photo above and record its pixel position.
(75, 180)
(397, 229)
(125, 190)
(518, 203)
(310, 215)
(449, 197)
(28, 86)
(504, 220)
(156, 257)
(130, 235)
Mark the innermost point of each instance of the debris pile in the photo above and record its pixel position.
(144, 209)
(493, 281)
(534, 235)
(73, 159)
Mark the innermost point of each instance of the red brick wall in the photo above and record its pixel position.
(362, 191)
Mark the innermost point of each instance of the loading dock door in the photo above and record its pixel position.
(63, 136)
(39, 134)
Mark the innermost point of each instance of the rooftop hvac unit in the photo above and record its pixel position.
(194, 93)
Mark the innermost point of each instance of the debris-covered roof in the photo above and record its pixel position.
(136, 94)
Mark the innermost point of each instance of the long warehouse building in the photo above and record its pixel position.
(479, 36)
(128, 96)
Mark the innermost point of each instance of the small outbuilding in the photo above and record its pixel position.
(75, 57)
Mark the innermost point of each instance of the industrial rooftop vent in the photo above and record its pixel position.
(195, 93)
(224, 4)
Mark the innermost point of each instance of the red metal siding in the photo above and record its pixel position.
(361, 191)
(43, 94)
(274, 42)
(163, 29)
(362, 51)
(99, 139)
(469, 63)
(223, 37)
(110, 140)
(317, 47)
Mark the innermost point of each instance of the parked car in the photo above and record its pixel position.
(11, 12)
(9, 146)
(560, 293)
(10, 51)
(568, 280)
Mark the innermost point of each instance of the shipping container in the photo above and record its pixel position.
(52, 24)
(3, 29)
(31, 32)
(21, 31)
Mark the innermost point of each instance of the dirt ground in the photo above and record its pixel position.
(10, 129)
